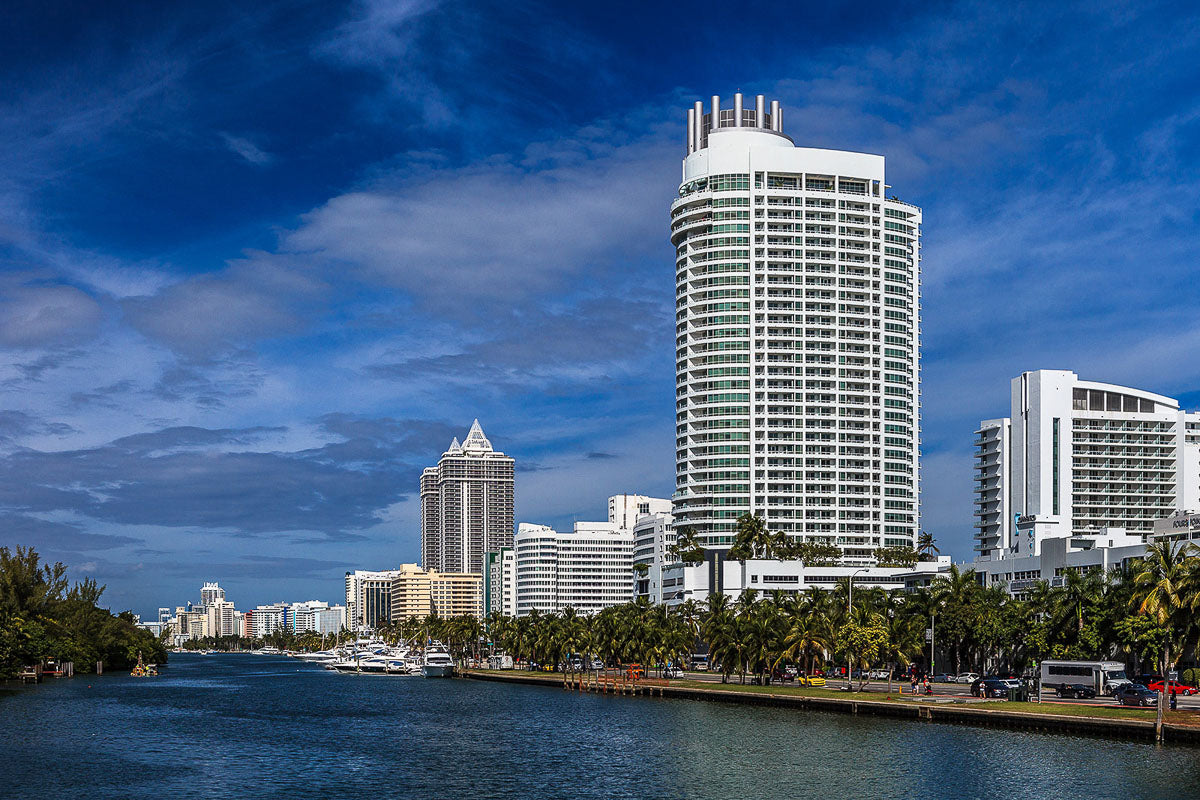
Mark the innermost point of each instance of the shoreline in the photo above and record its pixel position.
(1141, 730)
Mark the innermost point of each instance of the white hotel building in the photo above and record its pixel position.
(1079, 457)
(588, 568)
(797, 338)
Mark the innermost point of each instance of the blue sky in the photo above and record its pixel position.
(260, 262)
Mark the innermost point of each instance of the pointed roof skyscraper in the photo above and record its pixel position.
(455, 448)
(476, 442)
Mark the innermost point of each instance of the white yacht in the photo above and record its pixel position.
(437, 663)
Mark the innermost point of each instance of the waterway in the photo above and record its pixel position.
(241, 726)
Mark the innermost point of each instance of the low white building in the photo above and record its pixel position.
(681, 583)
(264, 620)
(1017, 571)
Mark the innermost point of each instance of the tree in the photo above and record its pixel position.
(818, 554)
(896, 556)
(753, 540)
(687, 548)
(927, 546)
(862, 643)
(1166, 592)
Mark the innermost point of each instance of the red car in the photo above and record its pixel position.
(1173, 687)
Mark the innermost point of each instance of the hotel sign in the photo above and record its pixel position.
(1186, 523)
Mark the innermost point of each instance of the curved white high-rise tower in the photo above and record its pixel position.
(797, 338)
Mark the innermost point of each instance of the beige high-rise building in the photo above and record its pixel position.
(376, 598)
(466, 505)
(418, 593)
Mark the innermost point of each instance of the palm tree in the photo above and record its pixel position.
(806, 635)
(1166, 591)
(927, 546)
(753, 540)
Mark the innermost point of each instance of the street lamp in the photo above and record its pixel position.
(849, 606)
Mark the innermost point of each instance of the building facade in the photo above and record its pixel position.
(653, 538)
(1079, 456)
(588, 568)
(797, 338)
(466, 505)
(368, 598)
(417, 593)
(377, 598)
(500, 583)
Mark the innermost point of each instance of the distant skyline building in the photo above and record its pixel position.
(1076, 457)
(211, 593)
(467, 504)
(797, 338)
(377, 597)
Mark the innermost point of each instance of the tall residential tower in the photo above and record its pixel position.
(797, 338)
(466, 505)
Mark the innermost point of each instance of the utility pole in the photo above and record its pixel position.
(932, 643)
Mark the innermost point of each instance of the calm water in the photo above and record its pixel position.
(262, 726)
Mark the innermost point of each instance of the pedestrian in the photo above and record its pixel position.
(913, 680)
(928, 687)
(1174, 701)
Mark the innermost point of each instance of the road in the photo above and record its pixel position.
(948, 690)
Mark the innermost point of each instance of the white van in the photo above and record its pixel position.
(1103, 676)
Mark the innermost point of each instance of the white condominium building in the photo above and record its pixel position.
(653, 537)
(368, 598)
(797, 338)
(588, 569)
(466, 505)
(624, 510)
(221, 619)
(1079, 456)
(317, 616)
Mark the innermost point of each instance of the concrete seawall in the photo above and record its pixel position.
(1130, 729)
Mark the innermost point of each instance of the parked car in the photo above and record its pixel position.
(1146, 680)
(990, 687)
(1135, 694)
(1173, 687)
(597, 664)
(1079, 691)
(966, 677)
(672, 671)
(1011, 683)
(880, 674)
(781, 675)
